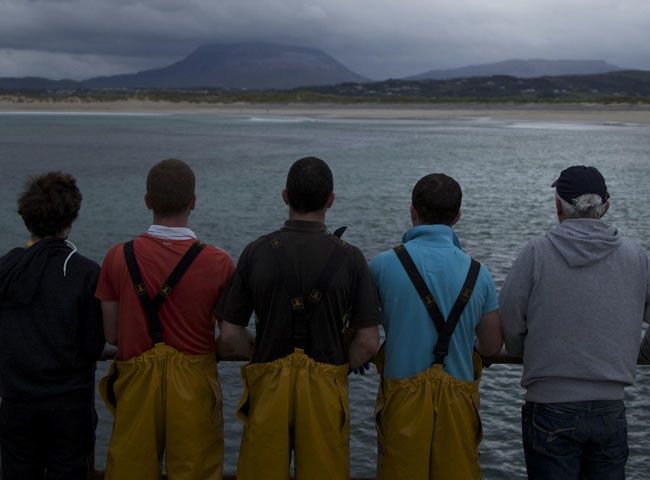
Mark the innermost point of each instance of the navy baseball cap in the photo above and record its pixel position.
(580, 180)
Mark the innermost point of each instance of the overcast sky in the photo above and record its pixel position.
(376, 38)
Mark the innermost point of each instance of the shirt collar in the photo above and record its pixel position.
(442, 235)
(304, 225)
(171, 233)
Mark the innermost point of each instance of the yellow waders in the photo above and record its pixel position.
(294, 403)
(428, 426)
(168, 402)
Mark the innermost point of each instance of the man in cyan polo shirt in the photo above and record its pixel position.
(304, 284)
(438, 305)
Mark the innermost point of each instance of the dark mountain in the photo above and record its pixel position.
(241, 65)
(522, 69)
(260, 66)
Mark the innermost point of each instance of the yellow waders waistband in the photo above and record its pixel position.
(168, 402)
(294, 403)
(428, 426)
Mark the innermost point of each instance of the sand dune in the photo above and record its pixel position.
(580, 113)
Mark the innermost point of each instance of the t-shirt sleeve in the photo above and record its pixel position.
(375, 271)
(107, 285)
(366, 311)
(236, 304)
(491, 302)
(230, 269)
(375, 266)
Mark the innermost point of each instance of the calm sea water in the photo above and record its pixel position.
(505, 170)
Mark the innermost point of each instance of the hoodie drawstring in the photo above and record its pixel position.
(74, 249)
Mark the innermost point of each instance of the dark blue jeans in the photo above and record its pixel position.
(575, 440)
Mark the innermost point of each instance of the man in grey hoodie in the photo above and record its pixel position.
(572, 307)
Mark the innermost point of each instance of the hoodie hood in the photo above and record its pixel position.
(22, 268)
(584, 241)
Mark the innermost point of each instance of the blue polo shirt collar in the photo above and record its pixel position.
(438, 235)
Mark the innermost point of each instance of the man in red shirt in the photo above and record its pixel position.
(158, 293)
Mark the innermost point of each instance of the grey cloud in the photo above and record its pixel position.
(377, 38)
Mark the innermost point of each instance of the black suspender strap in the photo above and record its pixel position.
(445, 328)
(421, 287)
(288, 275)
(151, 306)
(184, 263)
(442, 347)
(340, 231)
(333, 263)
(301, 308)
(155, 328)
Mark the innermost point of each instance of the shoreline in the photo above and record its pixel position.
(536, 112)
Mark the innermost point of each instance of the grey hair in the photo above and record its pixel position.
(588, 205)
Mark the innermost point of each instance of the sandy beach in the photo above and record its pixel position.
(574, 113)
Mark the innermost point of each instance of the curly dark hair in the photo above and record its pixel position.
(49, 203)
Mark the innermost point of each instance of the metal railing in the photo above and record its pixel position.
(501, 359)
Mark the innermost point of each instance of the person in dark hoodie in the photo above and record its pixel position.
(50, 338)
(573, 306)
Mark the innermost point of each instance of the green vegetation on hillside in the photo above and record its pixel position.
(614, 87)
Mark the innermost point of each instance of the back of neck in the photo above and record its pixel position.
(318, 216)
(173, 221)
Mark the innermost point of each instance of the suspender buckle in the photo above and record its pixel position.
(465, 294)
(428, 301)
(140, 289)
(315, 296)
(442, 348)
(297, 303)
(165, 290)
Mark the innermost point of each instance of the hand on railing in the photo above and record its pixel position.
(360, 370)
(110, 352)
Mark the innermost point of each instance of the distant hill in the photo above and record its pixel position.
(522, 69)
(36, 83)
(626, 85)
(629, 86)
(240, 66)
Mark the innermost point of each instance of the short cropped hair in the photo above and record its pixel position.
(49, 203)
(437, 198)
(309, 185)
(170, 187)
